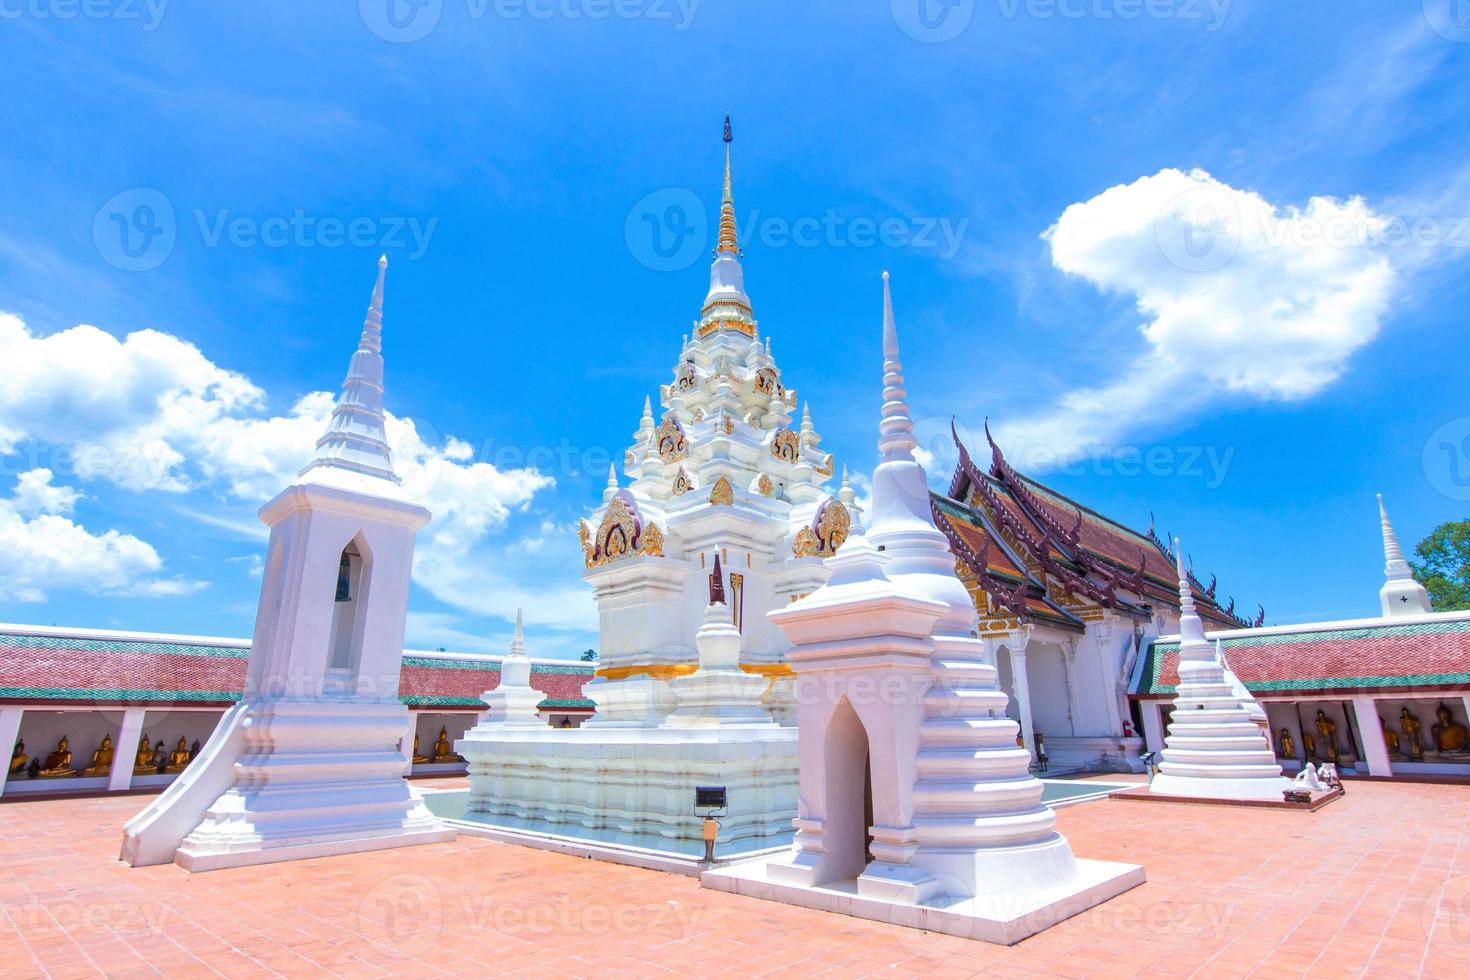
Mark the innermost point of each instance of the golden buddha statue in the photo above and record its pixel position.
(1310, 743)
(443, 751)
(1327, 734)
(418, 760)
(143, 760)
(58, 763)
(1449, 736)
(1409, 725)
(179, 757)
(1390, 738)
(101, 759)
(18, 757)
(1288, 745)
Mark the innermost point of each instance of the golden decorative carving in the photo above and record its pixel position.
(765, 486)
(785, 445)
(144, 762)
(722, 493)
(825, 467)
(620, 535)
(833, 525)
(686, 376)
(651, 541)
(699, 415)
(682, 483)
(805, 544)
(768, 382)
(729, 425)
(1413, 742)
(672, 446)
(710, 326)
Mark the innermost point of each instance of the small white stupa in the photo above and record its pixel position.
(514, 703)
(1214, 748)
(916, 805)
(1402, 594)
(308, 763)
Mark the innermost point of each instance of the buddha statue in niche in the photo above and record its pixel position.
(1288, 745)
(1450, 737)
(1412, 741)
(1327, 736)
(178, 759)
(418, 760)
(101, 759)
(1390, 739)
(143, 758)
(18, 757)
(443, 751)
(58, 763)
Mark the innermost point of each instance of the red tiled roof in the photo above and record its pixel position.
(37, 667)
(1385, 655)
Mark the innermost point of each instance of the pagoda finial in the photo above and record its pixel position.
(518, 639)
(356, 438)
(896, 439)
(1191, 627)
(728, 243)
(611, 490)
(1402, 594)
(717, 584)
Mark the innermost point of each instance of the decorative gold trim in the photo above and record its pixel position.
(765, 486)
(662, 672)
(682, 483)
(769, 670)
(672, 446)
(722, 494)
(785, 445)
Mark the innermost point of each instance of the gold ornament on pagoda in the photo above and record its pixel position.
(620, 535)
(785, 445)
(768, 382)
(765, 486)
(826, 534)
(682, 483)
(722, 494)
(670, 441)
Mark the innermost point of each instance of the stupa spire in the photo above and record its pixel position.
(896, 440)
(728, 242)
(356, 438)
(1402, 594)
(518, 638)
(1191, 627)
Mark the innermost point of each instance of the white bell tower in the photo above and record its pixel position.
(309, 762)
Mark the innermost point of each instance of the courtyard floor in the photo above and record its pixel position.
(1377, 884)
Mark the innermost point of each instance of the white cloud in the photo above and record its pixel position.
(126, 411)
(1242, 300)
(45, 550)
(151, 413)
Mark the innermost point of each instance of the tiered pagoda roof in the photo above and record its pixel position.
(1037, 555)
(109, 670)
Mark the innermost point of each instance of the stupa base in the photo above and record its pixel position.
(1005, 918)
(1146, 795)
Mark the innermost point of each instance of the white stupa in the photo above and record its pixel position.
(1214, 747)
(722, 474)
(308, 763)
(916, 804)
(1402, 594)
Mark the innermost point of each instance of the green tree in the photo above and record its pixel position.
(589, 655)
(1444, 565)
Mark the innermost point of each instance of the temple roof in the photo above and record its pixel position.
(92, 667)
(1430, 652)
(1075, 556)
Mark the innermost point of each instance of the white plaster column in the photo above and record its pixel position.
(1016, 647)
(9, 732)
(405, 744)
(125, 749)
(1370, 727)
(1153, 725)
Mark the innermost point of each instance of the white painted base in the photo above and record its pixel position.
(1246, 788)
(287, 778)
(1002, 918)
(634, 786)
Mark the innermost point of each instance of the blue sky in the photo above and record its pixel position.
(1110, 225)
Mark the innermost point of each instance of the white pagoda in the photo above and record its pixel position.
(723, 471)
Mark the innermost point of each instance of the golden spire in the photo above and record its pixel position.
(727, 242)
